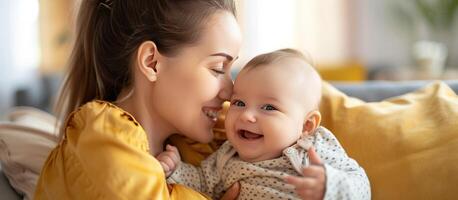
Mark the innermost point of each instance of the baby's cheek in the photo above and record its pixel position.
(285, 133)
(229, 120)
(229, 124)
(278, 128)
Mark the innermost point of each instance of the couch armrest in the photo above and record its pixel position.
(6, 191)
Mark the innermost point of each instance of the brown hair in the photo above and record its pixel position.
(109, 32)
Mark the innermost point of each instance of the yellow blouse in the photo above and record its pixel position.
(104, 155)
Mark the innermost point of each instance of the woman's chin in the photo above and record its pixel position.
(207, 138)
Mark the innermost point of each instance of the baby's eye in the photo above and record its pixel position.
(238, 103)
(268, 107)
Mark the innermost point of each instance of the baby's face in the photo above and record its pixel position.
(267, 111)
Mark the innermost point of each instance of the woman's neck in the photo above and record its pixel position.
(141, 111)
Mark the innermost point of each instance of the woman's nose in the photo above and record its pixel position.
(226, 90)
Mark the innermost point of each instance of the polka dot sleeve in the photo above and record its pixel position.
(188, 175)
(345, 179)
(207, 177)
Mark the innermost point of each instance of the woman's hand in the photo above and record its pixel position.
(313, 183)
(232, 193)
(169, 159)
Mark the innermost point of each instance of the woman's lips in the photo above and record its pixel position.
(211, 112)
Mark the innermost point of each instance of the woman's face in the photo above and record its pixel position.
(191, 86)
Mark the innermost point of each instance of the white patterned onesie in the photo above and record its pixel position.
(345, 179)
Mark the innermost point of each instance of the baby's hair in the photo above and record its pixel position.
(274, 56)
(281, 54)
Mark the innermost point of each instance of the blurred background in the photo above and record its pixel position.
(349, 40)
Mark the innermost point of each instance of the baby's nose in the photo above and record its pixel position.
(248, 116)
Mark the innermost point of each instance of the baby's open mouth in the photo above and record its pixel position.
(249, 135)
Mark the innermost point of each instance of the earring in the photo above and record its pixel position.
(152, 76)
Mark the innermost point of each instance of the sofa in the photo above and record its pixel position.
(6, 191)
(365, 91)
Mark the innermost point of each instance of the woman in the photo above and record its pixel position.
(140, 71)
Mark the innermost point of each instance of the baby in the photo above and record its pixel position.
(276, 148)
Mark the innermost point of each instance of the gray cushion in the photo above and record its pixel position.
(379, 90)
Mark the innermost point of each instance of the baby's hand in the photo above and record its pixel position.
(169, 159)
(313, 183)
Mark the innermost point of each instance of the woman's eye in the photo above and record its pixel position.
(238, 103)
(268, 107)
(218, 71)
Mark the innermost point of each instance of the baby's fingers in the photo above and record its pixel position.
(172, 148)
(301, 182)
(169, 162)
(308, 194)
(314, 171)
(173, 153)
(164, 166)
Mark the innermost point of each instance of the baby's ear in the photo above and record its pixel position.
(311, 122)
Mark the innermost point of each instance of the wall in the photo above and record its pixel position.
(5, 55)
(19, 52)
(384, 39)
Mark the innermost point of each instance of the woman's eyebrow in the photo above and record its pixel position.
(228, 57)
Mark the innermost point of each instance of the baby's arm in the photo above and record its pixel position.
(312, 184)
(179, 172)
(203, 179)
(345, 179)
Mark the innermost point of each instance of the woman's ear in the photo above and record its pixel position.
(147, 60)
(312, 121)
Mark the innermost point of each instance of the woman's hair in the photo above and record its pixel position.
(108, 34)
